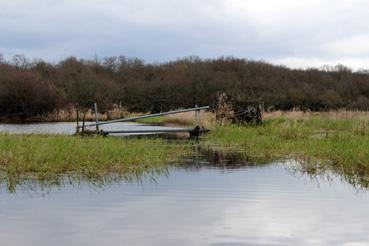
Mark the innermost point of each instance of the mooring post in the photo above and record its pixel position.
(197, 116)
(77, 131)
(96, 117)
(83, 121)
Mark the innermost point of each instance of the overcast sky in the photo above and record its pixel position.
(296, 33)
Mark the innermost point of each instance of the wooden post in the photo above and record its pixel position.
(77, 120)
(197, 123)
(96, 118)
(83, 122)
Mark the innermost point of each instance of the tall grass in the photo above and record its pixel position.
(316, 139)
(46, 157)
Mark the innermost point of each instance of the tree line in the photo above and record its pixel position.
(34, 88)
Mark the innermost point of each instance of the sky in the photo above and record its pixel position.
(295, 33)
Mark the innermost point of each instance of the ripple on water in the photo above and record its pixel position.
(268, 205)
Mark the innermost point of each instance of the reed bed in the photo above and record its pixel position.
(206, 119)
(340, 114)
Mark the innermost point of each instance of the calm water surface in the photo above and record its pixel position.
(70, 127)
(197, 204)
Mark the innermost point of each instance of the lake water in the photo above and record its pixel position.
(204, 201)
(70, 127)
(198, 203)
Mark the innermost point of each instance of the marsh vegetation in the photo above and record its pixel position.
(335, 141)
(53, 157)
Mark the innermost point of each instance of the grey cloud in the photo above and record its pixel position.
(159, 30)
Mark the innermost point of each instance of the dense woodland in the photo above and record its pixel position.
(33, 88)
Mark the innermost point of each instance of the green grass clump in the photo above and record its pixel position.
(339, 143)
(46, 156)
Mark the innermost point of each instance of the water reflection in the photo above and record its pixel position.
(208, 157)
(201, 159)
(357, 176)
(193, 204)
(13, 183)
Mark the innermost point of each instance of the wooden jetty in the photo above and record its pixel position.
(194, 132)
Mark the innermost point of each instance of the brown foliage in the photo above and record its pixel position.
(28, 89)
(23, 95)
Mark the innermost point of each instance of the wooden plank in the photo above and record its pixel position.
(149, 131)
(189, 130)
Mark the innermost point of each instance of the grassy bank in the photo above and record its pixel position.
(320, 141)
(44, 157)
